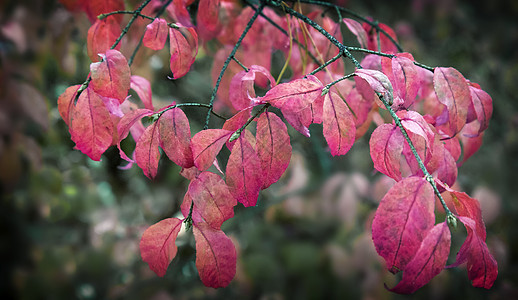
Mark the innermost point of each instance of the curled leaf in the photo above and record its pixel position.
(156, 34)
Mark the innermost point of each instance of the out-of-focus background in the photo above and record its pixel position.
(70, 226)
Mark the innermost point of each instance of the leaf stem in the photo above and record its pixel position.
(227, 61)
(327, 63)
(325, 90)
(127, 12)
(240, 64)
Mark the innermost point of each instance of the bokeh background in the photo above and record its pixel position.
(70, 226)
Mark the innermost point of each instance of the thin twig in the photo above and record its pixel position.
(238, 132)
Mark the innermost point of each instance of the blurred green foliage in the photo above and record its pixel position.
(70, 227)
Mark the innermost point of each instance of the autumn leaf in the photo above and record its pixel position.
(452, 90)
(101, 36)
(183, 44)
(213, 201)
(175, 137)
(91, 126)
(244, 173)
(126, 123)
(157, 245)
(339, 128)
(295, 95)
(156, 34)
(206, 144)
(386, 145)
(429, 260)
(143, 89)
(66, 103)
(403, 219)
(273, 147)
(111, 77)
(379, 82)
(357, 29)
(481, 265)
(215, 256)
(147, 154)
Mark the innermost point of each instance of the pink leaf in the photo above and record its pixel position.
(482, 267)
(208, 14)
(339, 128)
(402, 220)
(91, 125)
(143, 89)
(157, 246)
(404, 77)
(357, 29)
(379, 82)
(101, 36)
(147, 154)
(273, 147)
(242, 90)
(244, 173)
(212, 199)
(428, 261)
(111, 77)
(483, 105)
(175, 137)
(66, 103)
(156, 34)
(183, 47)
(94, 8)
(386, 146)
(452, 90)
(295, 95)
(386, 44)
(206, 144)
(215, 256)
(299, 120)
(466, 206)
(471, 140)
(126, 123)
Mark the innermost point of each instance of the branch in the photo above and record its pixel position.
(190, 104)
(238, 132)
(227, 61)
(352, 13)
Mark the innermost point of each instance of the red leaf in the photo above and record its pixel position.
(157, 245)
(404, 77)
(156, 34)
(386, 44)
(299, 120)
(378, 81)
(244, 173)
(208, 15)
(482, 267)
(428, 261)
(442, 164)
(386, 146)
(206, 144)
(66, 103)
(143, 89)
(175, 137)
(483, 106)
(111, 77)
(339, 128)
(215, 256)
(402, 220)
(357, 29)
(147, 154)
(469, 207)
(183, 48)
(212, 199)
(91, 125)
(101, 36)
(125, 124)
(94, 8)
(295, 95)
(452, 90)
(242, 86)
(273, 147)
(471, 140)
